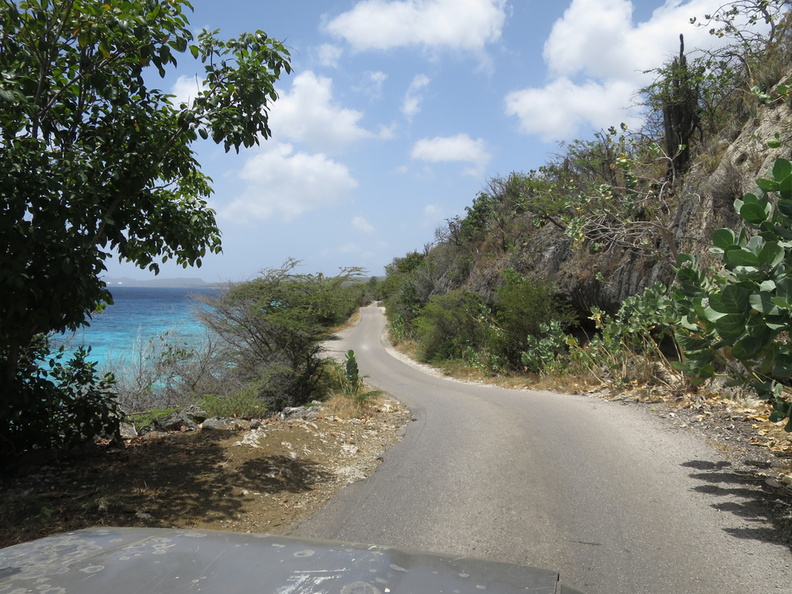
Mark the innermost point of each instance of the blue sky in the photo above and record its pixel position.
(398, 112)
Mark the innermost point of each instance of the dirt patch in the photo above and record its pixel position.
(262, 480)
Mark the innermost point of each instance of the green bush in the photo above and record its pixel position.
(451, 324)
(524, 308)
(246, 403)
(272, 328)
(55, 402)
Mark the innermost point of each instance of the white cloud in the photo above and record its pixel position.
(597, 58)
(599, 39)
(185, 89)
(413, 97)
(459, 148)
(453, 24)
(283, 184)
(329, 55)
(562, 108)
(362, 225)
(309, 114)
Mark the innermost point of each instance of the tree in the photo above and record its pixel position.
(273, 327)
(97, 163)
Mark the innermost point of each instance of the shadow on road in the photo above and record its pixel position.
(766, 511)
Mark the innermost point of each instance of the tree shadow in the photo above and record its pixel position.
(179, 481)
(747, 496)
(202, 483)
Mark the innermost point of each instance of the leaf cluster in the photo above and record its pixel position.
(741, 318)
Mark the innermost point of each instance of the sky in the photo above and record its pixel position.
(398, 113)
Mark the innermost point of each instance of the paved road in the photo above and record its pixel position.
(608, 495)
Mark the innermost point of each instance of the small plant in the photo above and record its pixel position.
(353, 381)
(344, 378)
(55, 401)
(146, 419)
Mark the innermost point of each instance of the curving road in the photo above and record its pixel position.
(608, 495)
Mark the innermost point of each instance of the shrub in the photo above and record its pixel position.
(246, 403)
(524, 308)
(740, 320)
(56, 402)
(451, 324)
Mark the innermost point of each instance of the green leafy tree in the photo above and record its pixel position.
(98, 163)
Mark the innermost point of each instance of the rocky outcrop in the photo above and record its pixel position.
(721, 173)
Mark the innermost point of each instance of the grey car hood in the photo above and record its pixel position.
(156, 561)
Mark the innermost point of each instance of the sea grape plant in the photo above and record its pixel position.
(741, 318)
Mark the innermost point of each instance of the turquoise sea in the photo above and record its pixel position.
(140, 314)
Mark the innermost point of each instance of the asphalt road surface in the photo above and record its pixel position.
(610, 496)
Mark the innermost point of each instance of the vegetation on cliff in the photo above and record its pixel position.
(601, 262)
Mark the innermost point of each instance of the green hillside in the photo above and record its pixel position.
(600, 264)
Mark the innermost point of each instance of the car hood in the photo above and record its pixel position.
(154, 561)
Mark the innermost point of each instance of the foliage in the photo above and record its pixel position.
(450, 324)
(623, 345)
(165, 371)
(59, 403)
(523, 308)
(737, 20)
(244, 403)
(272, 327)
(145, 420)
(96, 162)
(344, 378)
(741, 319)
(400, 293)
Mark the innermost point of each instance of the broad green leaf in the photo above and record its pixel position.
(735, 299)
(763, 303)
(689, 324)
(785, 207)
(781, 169)
(740, 257)
(771, 254)
(724, 238)
(785, 189)
(781, 302)
(784, 288)
(748, 347)
(731, 327)
(754, 212)
(768, 185)
(778, 322)
(711, 315)
(767, 285)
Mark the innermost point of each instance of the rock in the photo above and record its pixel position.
(309, 413)
(178, 421)
(218, 424)
(127, 431)
(196, 413)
